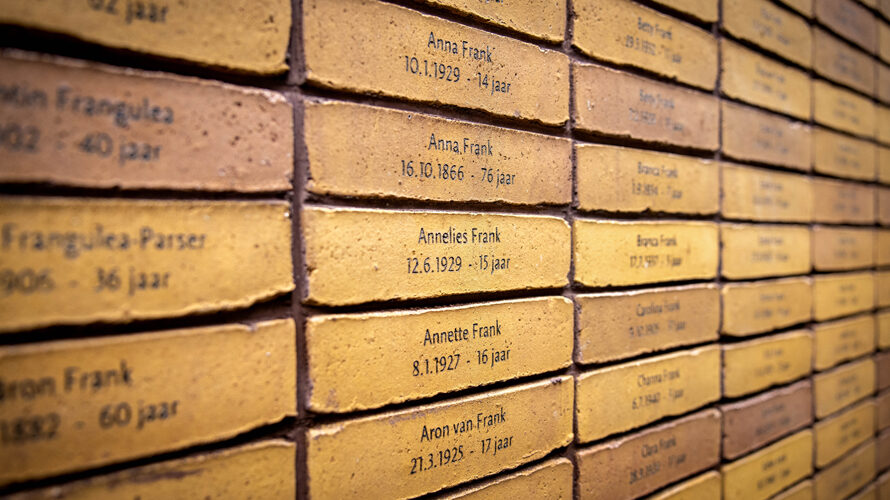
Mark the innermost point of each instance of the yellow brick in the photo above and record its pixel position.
(847, 475)
(263, 469)
(430, 158)
(623, 32)
(369, 46)
(631, 253)
(882, 288)
(804, 7)
(360, 255)
(882, 83)
(633, 180)
(837, 435)
(882, 123)
(765, 195)
(641, 392)
(755, 365)
(706, 485)
(642, 462)
(771, 27)
(621, 104)
(882, 374)
(882, 247)
(801, 491)
(843, 156)
(841, 249)
(761, 250)
(92, 125)
(770, 470)
(843, 109)
(75, 261)
(884, 164)
(356, 362)
(551, 479)
(850, 20)
(842, 294)
(883, 43)
(882, 325)
(763, 306)
(749, 76)
(840, 202)
(842, 340)
(843, 63)
(545, 19)
(883, 206)
(410, 452)
(620, 325)
(706, 10)
(751, 134)
(240, 35)
(843, 386)
(870, 492)
(883, 486)
(97, 401)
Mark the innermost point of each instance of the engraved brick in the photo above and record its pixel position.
(882, 83)
(843, 156)
(545, 19)
(883, 31)
(620, 104)
(883, 451)
(239, 35)
(882, 288)
(882, 326)
(882, 366)
(839, 202)
(800, 491)
(842, 294)
(842, 62)
(551, 479)
(356, 362)
(751, 423)
(843, 386)
(630, 253)
(620, 325)
(883, 206)
(91, 125)
(761, 250)
(842, 340)
(882, 113)
(109, 399)
(843, 109)
(369, 46)
(766, 472)
(706, 10)
(882, 247)
(633, 180)
(647, 460)
(754, 135)
(884, 164)
(755, 365)
(765, 195)
(641, 392)
(77, 261)
(762, 306)
(850, 20)
(837, 435)
(840, 249)
(389, 454)
(707, 485)
(623, 32)
(751, 77)
(771, 27)
(263, 469)
(428, 254)
(847, 475)
(430, 158)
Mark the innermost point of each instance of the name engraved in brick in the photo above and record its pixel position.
(837, 435)
(765, 195)
(842, 340)
(770, 470)
(755, 365)
(843, 109)
(839, 202)
(751, 77)
(842, 294)
(755, 135)
(771, 27)
(843, 386)
(847, 475)
(849, 19)
(761, 306)
(841, 62)
(839, 249)
(760, 250)
(843, 156)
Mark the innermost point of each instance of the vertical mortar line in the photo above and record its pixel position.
(718, 218)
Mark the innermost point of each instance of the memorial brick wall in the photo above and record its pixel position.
(556, 249)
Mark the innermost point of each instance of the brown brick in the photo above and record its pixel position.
(882, 327)
(620, 104)
(882, 288)
(641, 392)
(757, 79)
(647, 460)
(842, 294)
(883, 30)
(551, 479)
(843, 156)
(765, 195)
(356, 363)
(632, 253)
(882, 247)
(884, 164)
(706, 10)
(837, 435)
(77, 261)
(634, 180)
(882, 373)
(761, 250)
(770, 470)
(758, 364)
(843, 386)
(751, 423)
(762, 306)
(842, 248)
(373, 47)
(623, 32)
(842, 340)
(707, 485)
(544, 19)
(843, 109)
(428, 254)
(842, 62)
(238, 35)
(882, 133)
(754, 135)
(840, 202)
(850, 20)
(771, 27)
(374, 456)
(883, 206)
(883, 451)
(620, 325)
(883, 486)
(91, 125)
(430, 158)
(98, 401)
(848, 475)
(882, 83)
(882, 400)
